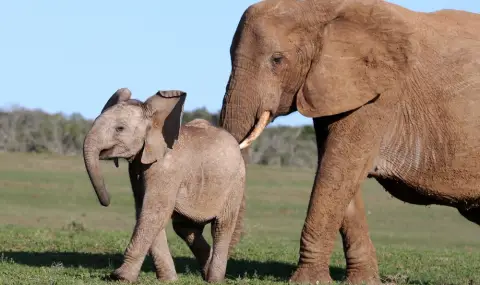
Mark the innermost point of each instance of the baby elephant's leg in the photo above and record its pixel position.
(156, 210)
(162, 259)
(159, 250)
(192, 234)
(222, 231)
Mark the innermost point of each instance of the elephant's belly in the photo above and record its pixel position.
(406, 193)
(200, 203)
(415, 179)
(431, 157)
(192, 216)
(195, 214)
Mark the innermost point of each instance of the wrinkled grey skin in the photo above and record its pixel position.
(194, 174)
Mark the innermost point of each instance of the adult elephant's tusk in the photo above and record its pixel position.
(259, 127)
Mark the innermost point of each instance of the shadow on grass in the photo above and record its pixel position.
(235, 267)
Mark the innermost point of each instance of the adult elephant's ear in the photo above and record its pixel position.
(165, 109)
(365, 51)
(122, 94)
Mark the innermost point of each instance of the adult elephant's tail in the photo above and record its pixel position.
(238, 232)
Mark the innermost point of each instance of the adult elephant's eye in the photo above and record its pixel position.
(277, 58)
(119, 129)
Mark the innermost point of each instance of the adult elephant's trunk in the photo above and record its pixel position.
(91, 156)
(239, 111)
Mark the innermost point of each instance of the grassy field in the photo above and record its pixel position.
(53, 230)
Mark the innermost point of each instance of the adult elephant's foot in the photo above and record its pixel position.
(366, 277)
(121, 274)
(363, 273)
(311, 274)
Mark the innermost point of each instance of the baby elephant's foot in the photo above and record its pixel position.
(121, 274)
(204, 268)
(215, 279)
(215, 275)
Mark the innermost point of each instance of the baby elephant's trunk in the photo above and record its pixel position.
(91, 152)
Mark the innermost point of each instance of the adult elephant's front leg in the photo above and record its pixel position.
(360, 254)
(347, 156)
(359, 251)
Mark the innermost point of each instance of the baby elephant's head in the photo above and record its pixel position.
(127, 127)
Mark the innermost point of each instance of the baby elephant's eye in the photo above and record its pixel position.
(119, 129)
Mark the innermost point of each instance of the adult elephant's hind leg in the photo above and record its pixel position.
(359, 251)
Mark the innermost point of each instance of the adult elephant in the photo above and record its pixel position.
(393, 95)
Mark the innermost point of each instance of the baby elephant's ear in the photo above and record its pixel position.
(165, 109)
(122, 94)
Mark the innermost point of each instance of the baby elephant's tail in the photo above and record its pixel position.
(238, 232)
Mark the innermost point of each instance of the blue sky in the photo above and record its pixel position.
(70, 56)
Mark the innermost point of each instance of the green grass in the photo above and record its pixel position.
(53, 230)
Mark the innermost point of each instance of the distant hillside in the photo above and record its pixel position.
(26, 130)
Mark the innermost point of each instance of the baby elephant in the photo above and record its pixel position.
(194, 174)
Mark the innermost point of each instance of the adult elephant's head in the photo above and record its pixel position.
(127, 128)
(320, 57)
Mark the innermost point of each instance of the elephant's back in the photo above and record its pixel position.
(213, 146)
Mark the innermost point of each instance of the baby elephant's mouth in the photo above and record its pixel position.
(106, 154)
